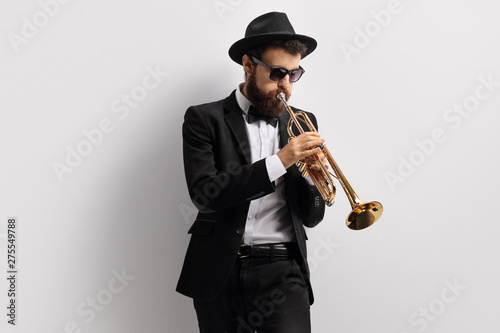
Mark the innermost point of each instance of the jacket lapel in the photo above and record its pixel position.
(236, 123)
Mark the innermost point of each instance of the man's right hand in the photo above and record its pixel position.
(300, 147)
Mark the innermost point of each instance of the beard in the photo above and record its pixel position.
(266, 103)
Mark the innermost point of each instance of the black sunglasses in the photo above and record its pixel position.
(279, 73)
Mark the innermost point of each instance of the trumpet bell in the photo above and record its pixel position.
(364, 215)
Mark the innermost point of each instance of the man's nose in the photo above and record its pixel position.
(285, 83)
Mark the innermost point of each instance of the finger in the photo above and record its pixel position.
(308, 143)
(310, 152)
(308, 136)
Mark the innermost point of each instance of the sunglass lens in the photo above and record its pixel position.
(277, 74)
(294, 76)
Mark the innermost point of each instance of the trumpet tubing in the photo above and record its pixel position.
(363, 214)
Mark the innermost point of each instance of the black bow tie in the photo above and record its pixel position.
(254, 115)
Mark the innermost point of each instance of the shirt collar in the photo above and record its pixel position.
(243, 102)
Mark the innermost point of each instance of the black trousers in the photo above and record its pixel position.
(262, 295)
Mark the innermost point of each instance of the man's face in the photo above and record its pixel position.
(261, 90)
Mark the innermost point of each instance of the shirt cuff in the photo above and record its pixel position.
(275, 168)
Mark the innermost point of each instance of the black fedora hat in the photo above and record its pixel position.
(265, 28)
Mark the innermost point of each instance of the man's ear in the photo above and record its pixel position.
(247, 64)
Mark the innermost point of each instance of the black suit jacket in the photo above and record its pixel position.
(221, 183)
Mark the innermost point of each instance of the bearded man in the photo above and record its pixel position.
(246, 264)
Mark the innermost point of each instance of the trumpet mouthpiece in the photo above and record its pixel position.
(281, 96)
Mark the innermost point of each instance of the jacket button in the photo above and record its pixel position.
(239, 231)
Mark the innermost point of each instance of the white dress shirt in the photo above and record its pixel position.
(268, 219)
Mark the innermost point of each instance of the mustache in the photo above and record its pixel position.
(278, 91)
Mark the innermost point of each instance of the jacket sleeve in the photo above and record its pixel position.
(313, 205)
(216, 183)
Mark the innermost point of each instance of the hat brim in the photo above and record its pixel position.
(239, 48)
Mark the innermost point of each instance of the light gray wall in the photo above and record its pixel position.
(407, 94)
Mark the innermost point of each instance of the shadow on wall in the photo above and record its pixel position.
(150, 230)
(152, 211)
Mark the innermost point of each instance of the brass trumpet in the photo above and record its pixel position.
(363, 214)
